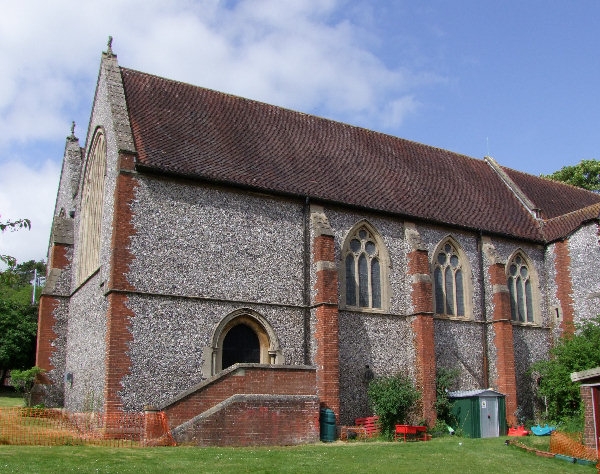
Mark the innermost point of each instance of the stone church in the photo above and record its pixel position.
(233, 263)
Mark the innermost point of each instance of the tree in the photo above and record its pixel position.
(392, 398)
(585, 174)
(573, 353)
(18, 317)
(23, 273)
(18, 329)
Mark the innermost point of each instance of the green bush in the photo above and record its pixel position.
(573, 353)
(24, 380)
(444, 380)
(392, 398)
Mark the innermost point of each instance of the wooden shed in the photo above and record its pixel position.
(479, 413)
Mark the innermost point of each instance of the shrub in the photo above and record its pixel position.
(392, 399)
(444, 380)
(573, 353)
(24, 380)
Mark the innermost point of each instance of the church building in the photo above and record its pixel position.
(237, 264)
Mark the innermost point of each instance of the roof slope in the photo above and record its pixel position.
(552, 197)
(195, 132)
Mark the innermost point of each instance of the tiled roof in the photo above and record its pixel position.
(553, 198)
(562, 226)
(199, 133)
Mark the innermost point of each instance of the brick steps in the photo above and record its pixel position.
(248, 404)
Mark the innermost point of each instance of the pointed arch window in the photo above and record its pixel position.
(450, 275)
(364, 277)
(520, 280)
(91, 209)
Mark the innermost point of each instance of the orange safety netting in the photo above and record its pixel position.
(52, 427)
(561, 443)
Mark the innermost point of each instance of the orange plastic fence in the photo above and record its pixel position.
(561, 443)
(52, 427)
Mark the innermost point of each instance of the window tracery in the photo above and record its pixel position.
(91, 209)
(450, 276)
(520, 278)
(364, 271)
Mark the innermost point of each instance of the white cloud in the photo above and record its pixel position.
(27, 193)
(309, 55)
(291, 53)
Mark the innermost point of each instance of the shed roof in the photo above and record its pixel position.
(475, 393)
(185, 130)
(587, 376)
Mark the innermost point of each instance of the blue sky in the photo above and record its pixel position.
(517, 80)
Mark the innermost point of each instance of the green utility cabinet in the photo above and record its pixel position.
(479, 413)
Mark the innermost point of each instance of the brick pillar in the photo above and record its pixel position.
(505, 381)
(118, 337)
(326, 313)
(589, 398)
(424, 330)
(45, 334)
(564, 290)
(58, 262)
(119, 315)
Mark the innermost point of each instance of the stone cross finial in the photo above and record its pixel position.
(72, 137)
(110, 52)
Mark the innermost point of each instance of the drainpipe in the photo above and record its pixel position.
(484, 341)
(306, 289)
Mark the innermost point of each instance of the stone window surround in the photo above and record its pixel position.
(88, 249)
(384, 265)
(467, 278)
(533, 277)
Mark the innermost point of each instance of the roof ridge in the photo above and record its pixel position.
(514, 188)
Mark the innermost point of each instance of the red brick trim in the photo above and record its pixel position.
(590, 397)
(564, 290)
(122, 230)
(58, 257)
(327, 357)
(324, 249)
(503, 341)
(424, 330)
(422, 288)
(118, 362)
(423, 327)
(46, 335)
(118, 335)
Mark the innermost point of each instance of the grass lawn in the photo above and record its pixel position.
(9, 398)
(447, 455)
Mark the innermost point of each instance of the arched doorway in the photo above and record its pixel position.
(243, 336)
(241, 344)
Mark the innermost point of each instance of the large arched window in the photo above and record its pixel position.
(521, 280)
(451, 277)
(91, 209)
(365, 263)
